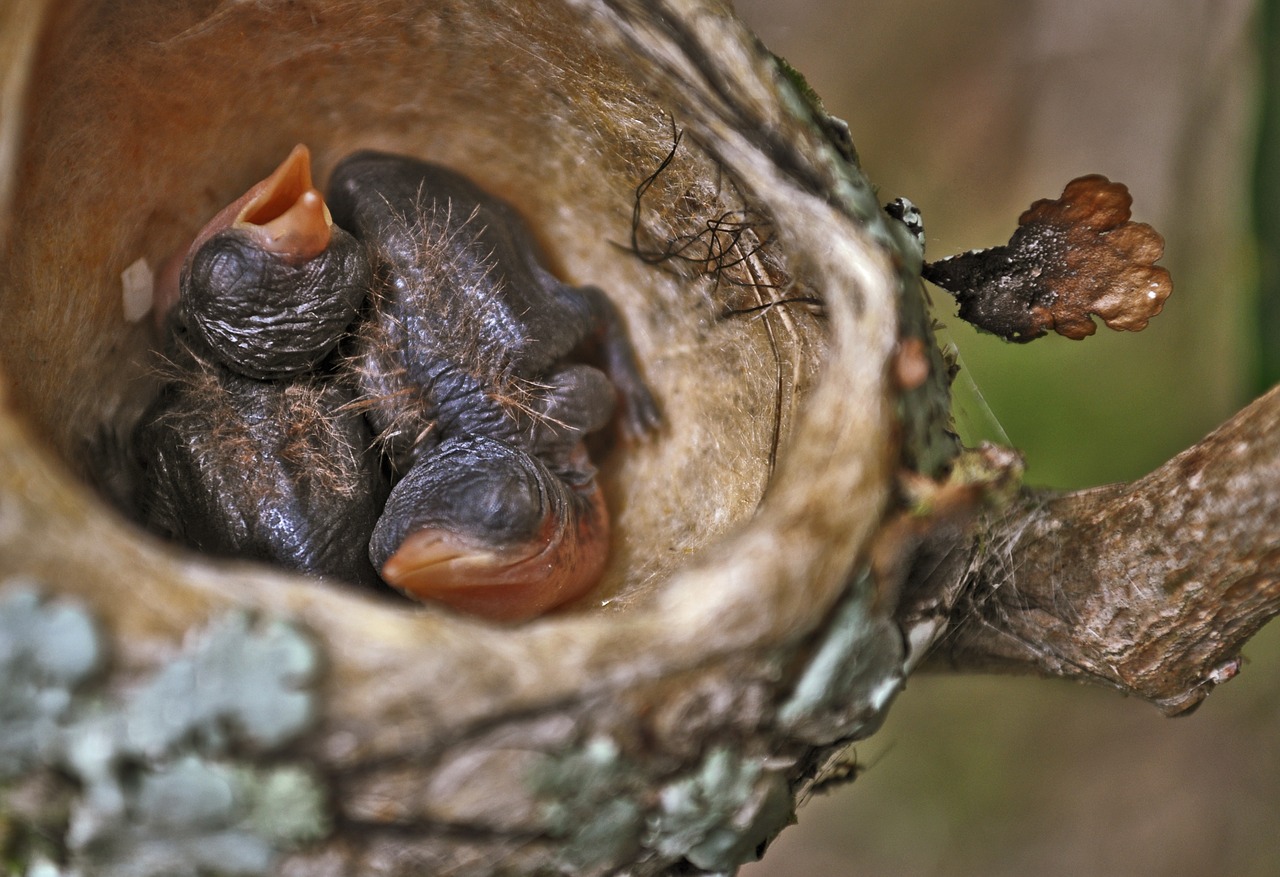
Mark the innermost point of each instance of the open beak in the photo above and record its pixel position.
(285, 213)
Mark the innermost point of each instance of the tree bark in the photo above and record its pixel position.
(1151, 587)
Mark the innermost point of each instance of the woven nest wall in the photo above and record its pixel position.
(736, 527)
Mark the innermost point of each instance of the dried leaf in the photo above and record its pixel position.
(1070, 258)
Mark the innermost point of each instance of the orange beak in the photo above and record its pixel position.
(564, 561)
(285, 213)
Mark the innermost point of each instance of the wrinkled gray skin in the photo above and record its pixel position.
(252, 451)
(258, 449)
(267, 317)
(489, 490)
(469, 337)
(273, 471)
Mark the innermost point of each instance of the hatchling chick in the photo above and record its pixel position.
(468, 366)
(254, 449)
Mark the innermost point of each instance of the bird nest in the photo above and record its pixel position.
(657, 151)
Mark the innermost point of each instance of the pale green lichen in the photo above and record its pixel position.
(158, 791)
(852, 676)
(589, 803)
(238, 678)
(196, 816)
(46, 652)
(289, 807)
(719, 817)
(715, 818)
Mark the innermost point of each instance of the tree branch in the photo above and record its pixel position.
(1151, 587)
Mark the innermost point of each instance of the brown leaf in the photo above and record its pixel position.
(1069, 258)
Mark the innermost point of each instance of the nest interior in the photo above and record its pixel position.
(144, 119)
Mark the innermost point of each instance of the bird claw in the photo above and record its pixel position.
(641, 416)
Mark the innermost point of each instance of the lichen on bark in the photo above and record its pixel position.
(161, 784)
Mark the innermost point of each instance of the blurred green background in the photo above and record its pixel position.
(973, 111)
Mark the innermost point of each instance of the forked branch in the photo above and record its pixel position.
(1152, 587)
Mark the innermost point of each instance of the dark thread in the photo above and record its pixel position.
(812, 300)
(718, 247)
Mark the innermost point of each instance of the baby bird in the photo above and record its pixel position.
(464, 366)
(252, 450)
(270, 285)
(274, 471)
